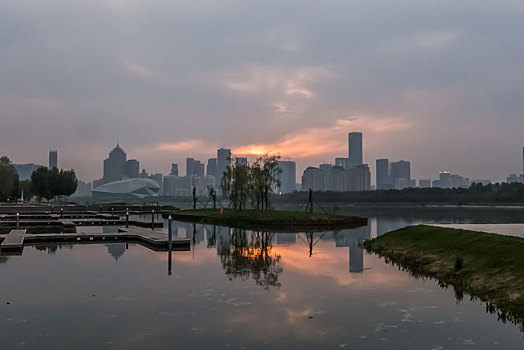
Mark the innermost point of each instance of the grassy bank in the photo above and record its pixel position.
(486, 266)
(270, 220)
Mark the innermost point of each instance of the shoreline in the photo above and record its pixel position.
(487, 266)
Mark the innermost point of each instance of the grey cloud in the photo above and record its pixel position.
(153, 72)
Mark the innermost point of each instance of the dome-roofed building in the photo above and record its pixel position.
(137, 188)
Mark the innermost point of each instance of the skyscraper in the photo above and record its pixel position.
(288, 177)
(132, 168)
(53, 159)
(115, 165)
(223, 161)
(239, 161)
(355, 148)
(400, 174)
(383, 180)
(211, 167)
(174, 169)
(190, 166)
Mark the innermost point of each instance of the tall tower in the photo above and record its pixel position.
(53, 159)
(115, 165)
(355, 148)
(382, 172)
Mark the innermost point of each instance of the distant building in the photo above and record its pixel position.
(355, 149)
(311, 179)
(448, 180)
(83, 189)
(132, 168)
(514, 178)
(26, 170)
(400, 174)
(240, 161)
(288, 177)
(117, 167)
(174, 169)
(343, 162)
(211, 168)
(158, 178)
(383, 181)
(326, 177)
(424, 183)
(190, 166)
(198, 169)
(336, 178)
(53, 159)
(129, 188)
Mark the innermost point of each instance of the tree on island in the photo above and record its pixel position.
(266, 177)
(9, 182)
(241, 183)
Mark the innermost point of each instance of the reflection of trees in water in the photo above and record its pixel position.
(52, 248)
(250, 255)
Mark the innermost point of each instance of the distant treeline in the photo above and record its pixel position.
(475, 194)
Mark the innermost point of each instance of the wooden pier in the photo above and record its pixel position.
(153, 240)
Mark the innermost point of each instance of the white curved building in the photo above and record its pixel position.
(137, 187)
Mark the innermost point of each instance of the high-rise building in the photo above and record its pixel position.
(382, 174)
(115, 165)
(288, 176)
(53, 159)
(342, 162)
(198, 169)
(132, 168)
(190, 166)
(400, 174)
(311, 179)
(174, 169)
(326, 175)
(240, 161)
(223, 161)
(355, 148)
(211, 167)
(424, 183)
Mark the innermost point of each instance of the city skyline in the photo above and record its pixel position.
(251, 157)
(431, 83)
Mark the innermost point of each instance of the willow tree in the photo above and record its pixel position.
(265, 174)
(236, 185)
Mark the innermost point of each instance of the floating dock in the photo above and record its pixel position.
(153, 240)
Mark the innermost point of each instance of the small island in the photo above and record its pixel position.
(272, 220)
(487, 266)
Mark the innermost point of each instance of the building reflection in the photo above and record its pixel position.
(116, 250)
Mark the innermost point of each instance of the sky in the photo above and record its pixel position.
(438, 83)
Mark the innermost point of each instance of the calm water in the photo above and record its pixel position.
(241, 290)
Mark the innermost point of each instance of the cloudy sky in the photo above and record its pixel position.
(439, 83)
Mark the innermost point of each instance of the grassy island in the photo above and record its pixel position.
(486, 266)
(269, 220)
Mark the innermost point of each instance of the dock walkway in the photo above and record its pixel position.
(151, 239)
(14, 240)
